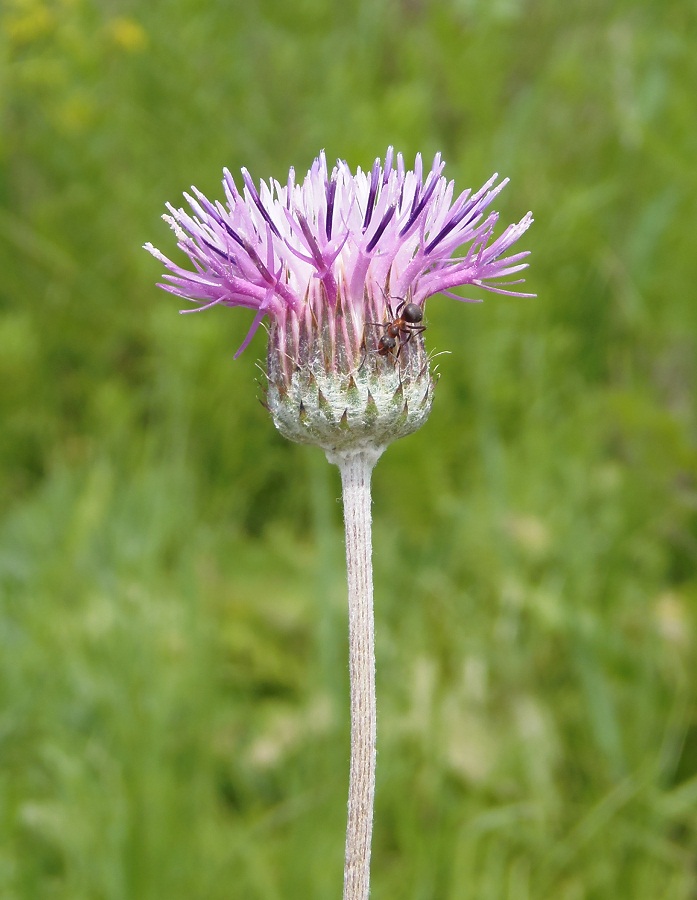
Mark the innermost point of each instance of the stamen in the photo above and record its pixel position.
(372, 194)
(257, 201)
(381, 228)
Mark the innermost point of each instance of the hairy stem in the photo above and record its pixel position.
(356, 468)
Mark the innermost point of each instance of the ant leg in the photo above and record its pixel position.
(363, 358)
(402, 342)
(387, 298)
(364, 345)
(411, 330)
(408, 333)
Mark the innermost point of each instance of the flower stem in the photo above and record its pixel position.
(356, 468)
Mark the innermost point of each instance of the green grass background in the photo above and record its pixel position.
(173, 675)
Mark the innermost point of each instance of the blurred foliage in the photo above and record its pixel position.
(173, 710)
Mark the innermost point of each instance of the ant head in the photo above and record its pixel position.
(412, 313)
(386, 345)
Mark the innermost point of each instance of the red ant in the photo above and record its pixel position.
(400, 328)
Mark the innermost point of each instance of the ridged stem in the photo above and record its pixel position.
(356, 468)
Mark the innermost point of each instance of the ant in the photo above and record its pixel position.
(402, 325)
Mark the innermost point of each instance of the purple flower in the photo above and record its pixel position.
(327, 259)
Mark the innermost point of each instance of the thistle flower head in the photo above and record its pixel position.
(341, 266)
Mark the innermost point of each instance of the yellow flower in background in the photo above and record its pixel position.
(127, 34)
(26, 21)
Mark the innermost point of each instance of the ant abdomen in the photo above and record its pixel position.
(411, 313)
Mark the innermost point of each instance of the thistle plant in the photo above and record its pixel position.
(341, 267)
